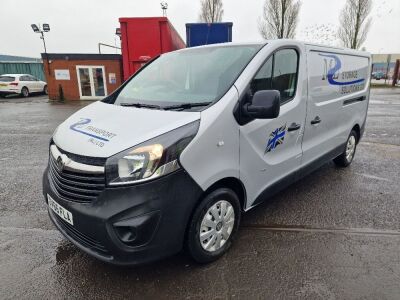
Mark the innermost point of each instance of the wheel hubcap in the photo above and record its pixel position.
(350, 148)
(217, 225)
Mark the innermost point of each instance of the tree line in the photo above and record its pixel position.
(280, 17)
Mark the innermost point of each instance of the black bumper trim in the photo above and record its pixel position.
(173, 197)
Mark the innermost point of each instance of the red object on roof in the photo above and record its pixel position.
(144, 38)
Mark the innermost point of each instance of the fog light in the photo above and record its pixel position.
(137, 231)
(126, 234)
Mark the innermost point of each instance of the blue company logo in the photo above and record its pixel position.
(332, 71)
(78, 125)
(276, 138)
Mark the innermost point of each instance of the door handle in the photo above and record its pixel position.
(316, 120)
(294, 127)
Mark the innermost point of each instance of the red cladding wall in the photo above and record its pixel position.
(144, 38)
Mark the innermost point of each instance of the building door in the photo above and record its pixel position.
(91, 81)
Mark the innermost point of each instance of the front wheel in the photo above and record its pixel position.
(349, 151)
(45, 90)
(213, 226)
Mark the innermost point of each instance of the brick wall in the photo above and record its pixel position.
(71, 87)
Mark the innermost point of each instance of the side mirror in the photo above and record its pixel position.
(265, 105)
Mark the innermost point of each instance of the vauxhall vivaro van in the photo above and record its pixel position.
(197, 137)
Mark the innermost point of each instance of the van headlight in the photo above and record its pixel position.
(154, 158)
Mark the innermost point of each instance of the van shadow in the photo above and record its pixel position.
(80, 272)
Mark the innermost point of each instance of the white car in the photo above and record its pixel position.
(23, 84)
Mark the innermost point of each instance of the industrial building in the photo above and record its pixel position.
(10, 64)
(384, 63)
(82, 76)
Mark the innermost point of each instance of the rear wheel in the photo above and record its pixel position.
(349, 151)
(213, 226)
(25, 92)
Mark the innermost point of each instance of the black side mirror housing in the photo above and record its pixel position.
(265, 105)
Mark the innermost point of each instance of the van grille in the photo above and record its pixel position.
(75, 186)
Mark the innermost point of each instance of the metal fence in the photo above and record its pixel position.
(32, 68)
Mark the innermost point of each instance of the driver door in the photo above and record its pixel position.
(270, 150)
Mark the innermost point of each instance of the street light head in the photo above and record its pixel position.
(118, 32)
(164, 5)
(46, 27)
(35, 28)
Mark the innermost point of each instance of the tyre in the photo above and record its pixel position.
(213, 226)
(349, 151)
(45, 90)
(25, 92)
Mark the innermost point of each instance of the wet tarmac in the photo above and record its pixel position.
(333, 235)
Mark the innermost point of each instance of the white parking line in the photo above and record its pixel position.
(352, 231)
(373, 177)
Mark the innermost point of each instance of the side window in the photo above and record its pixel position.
(31, 78)
(280, 73)
(22, 78)
(285, 73)
(263, 79)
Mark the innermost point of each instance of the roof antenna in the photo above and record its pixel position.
(164, 7)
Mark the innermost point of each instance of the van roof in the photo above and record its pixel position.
(319, 46)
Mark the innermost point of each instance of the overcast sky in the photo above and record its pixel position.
(77, 26)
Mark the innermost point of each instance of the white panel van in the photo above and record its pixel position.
(197, 137)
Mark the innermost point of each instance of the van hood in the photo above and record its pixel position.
(102, 130)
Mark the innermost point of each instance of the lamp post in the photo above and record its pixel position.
(41, 30)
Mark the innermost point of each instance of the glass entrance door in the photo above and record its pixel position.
(91, 82)
(98, 82)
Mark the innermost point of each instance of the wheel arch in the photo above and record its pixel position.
(357, 129)
(232, 183)
(24, 87)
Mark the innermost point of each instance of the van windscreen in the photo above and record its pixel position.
(188, 76)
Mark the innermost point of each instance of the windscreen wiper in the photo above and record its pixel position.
(186, 105)
(141, 105)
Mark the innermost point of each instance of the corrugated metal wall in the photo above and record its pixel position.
(35, 69)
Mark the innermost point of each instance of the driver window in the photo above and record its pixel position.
(263, 79)
(280, 73)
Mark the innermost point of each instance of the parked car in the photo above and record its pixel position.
(378, 75)
(22, 84)
(195, 138)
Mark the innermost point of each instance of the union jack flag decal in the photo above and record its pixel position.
(276, 138)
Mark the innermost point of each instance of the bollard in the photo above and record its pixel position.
(396, 72)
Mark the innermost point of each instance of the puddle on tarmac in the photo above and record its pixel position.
(65, 251)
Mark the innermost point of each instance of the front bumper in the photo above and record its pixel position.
(157, 212)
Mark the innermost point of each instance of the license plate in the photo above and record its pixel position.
(3, 84)
(59, 210)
